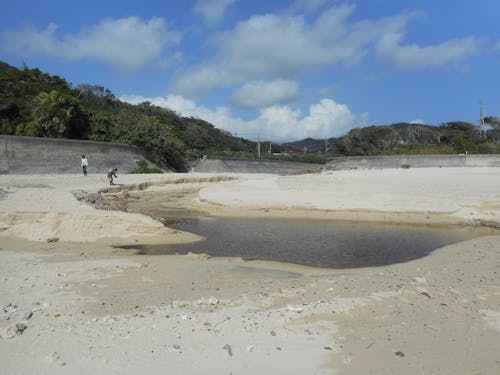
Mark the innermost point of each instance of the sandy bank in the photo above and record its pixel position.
(77, 306)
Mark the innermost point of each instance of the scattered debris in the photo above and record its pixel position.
(426, 294)
(55, 358)
(297, 309)
(13, 330)
(178, 304)
(229, 350)
(212, 301)
(53, 239)
(28, 314)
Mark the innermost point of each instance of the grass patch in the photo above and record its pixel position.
(142, 167)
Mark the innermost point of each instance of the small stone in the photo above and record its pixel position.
(8, 332)
(21, 327)
(421, 280)
(176, 347)
(296, 309)
(272, 333)
(400, 354)
(53, 239)
(27, 315)
(229, 350)
(426, 294)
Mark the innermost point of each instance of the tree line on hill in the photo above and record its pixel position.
(33, 103)
(455, 137)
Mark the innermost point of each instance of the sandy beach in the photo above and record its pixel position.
(73, 301)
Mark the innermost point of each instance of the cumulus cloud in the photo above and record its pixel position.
(127, 43)
(258, 94)
(278, 123)
(288, 45)
(261, 48)
(212, 11)
(265, 47)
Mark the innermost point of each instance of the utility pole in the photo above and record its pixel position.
(326, 146)
(481, 120)
(270, 151)
(258, 149)
(305, 151)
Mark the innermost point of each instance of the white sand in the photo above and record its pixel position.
(97, 309)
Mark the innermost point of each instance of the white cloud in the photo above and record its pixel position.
(286, 46)
(390, 49)
(278, 123)
(126, 43)
(258, 94)
(272, 46)
(417, 122)
(212, 11)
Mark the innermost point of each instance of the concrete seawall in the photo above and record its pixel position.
(412, 161)
(234, 165)
(26, 155)
(32, 155)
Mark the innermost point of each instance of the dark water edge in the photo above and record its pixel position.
(326, 244)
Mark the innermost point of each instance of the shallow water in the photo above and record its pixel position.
(315, 243)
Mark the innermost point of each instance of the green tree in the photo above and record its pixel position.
(58, 114)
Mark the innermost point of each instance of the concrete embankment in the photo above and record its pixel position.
(28, 155)
(412, 161)
(32, 155)
(233, 165)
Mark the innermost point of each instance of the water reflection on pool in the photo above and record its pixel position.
(316, 243)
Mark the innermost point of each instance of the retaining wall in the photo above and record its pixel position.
(32, 155)
(412, 161)
(222, 165)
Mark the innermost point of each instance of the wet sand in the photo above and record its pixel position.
(72, 302)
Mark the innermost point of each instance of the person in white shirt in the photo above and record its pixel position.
(85, 164)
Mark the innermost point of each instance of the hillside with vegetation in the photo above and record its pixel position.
(33, 103)
(409, 139)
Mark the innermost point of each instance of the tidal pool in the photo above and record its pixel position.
(328, 244)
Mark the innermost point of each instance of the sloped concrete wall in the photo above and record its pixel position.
(413, 161)
(221, 165)
(27, 155)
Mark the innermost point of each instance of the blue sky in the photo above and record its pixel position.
(278, 69)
